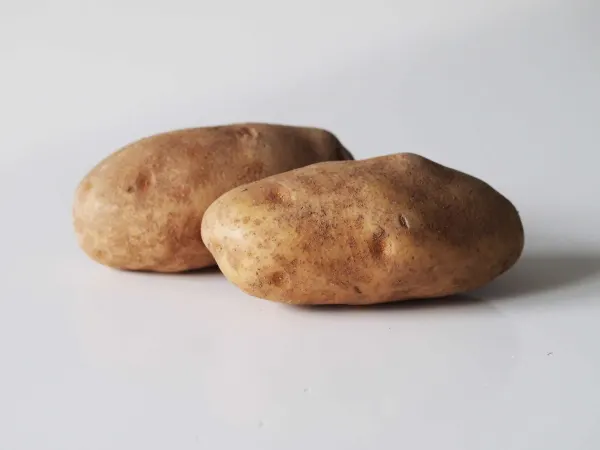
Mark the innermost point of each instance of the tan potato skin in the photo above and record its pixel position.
(361, 232)
(142, 207)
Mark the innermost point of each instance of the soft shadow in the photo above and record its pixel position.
(204, 271)
(533, 274)
(452, 301)
(541, 273)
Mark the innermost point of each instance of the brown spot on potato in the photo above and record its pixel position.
(357, 290)
(403, 222)
(142, 182)
(277, 195)
(245, 220)
(277, 278)
(378, 244)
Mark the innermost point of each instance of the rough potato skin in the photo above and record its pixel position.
(361, 232)
(142, 207)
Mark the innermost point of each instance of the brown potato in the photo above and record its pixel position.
(361, 232)
(142, 207)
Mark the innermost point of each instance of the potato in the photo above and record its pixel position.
(361, 232)
(142, 207)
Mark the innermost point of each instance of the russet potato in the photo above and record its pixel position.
(361, 232)
(142, 207)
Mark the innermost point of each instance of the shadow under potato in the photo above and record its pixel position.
(452, 301)
(533, 274)
(539, 273)
(202, 271)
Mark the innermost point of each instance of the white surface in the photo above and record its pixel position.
(96, 359)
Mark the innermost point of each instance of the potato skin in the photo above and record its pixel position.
(361, 232)
(141, 208)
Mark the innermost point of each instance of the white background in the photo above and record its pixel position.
(95, 359)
